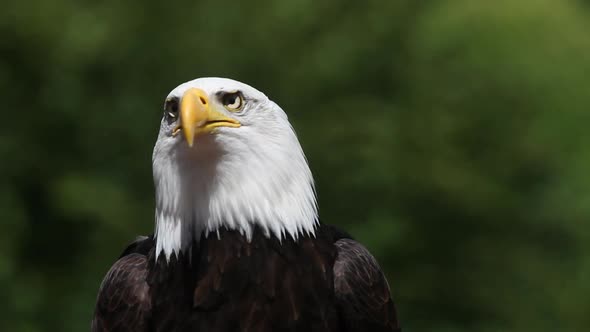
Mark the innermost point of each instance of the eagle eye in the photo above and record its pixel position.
(232, 101)
(171, 109)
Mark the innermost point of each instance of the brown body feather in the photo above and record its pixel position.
(323, 283)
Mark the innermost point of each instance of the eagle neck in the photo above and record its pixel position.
(203, 192)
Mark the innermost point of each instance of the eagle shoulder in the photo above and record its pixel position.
(123, 302)
(361, 289)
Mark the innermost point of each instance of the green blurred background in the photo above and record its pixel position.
(449, 136)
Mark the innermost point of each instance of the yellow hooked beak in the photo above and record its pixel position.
(197, 116)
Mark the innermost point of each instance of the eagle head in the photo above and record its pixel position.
(227, 156)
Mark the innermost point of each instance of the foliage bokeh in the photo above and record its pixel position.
(448, 136)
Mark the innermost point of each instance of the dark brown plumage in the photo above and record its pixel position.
(324, 283)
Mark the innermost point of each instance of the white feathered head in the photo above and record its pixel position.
(227, 156)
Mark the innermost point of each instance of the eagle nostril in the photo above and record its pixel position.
(203, 101)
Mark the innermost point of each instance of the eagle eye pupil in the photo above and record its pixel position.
(171, 109)
(232, 101)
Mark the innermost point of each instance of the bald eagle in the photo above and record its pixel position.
(237, 244)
